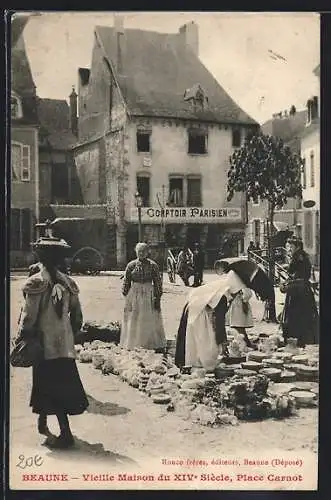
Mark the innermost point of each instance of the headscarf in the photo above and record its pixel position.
(141, 247)
(210, 294)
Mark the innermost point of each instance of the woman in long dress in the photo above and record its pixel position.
(201, 334)
(240, 314)
(142, 287)
(300, 315)
(52, 310)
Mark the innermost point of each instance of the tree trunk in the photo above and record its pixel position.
(270, 306)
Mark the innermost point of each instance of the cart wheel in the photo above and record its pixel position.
(171, 271)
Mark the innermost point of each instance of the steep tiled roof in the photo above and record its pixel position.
(21, 77)
(157, 69)
(288, 128)
(53, 117)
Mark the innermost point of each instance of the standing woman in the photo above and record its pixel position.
(52, 311)
(239, 316)
(142, 287)
(300, 315)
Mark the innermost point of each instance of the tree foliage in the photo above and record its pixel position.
(264, 167)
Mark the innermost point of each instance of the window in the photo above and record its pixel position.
(236, 138)
(20, 230)
(312, 169)
(20, 162)
(304, 174)
(197, 142)
(143, 141)
(176, 194)
(143, 189)
(15, 106)
(194, 192)
(256, 203)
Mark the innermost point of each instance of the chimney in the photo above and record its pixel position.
(120, 40)
(190, 34)
(73, 112)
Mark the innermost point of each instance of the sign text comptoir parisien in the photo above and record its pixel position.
(187, 214)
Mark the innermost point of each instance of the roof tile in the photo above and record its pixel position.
(157, 69)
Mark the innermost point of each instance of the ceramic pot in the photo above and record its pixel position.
(272, 373)
(288, 377)
(256, 356)
(303, 398)
(252, 365)
(244, 373)
(273, 363)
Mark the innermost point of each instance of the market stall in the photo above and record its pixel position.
(268, 382)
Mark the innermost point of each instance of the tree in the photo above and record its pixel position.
(265, 168)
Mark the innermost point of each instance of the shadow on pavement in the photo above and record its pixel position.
(91, 452)
(108, 409)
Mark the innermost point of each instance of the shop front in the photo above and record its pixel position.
(215, 229)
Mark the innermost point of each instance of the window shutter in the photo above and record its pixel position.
(262, 233)
(25, 172)
(16, 161)
(194, 192)
(312, 169)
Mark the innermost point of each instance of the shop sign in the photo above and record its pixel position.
(155, 215)
(147, 161)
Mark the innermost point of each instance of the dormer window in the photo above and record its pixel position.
(15, 106)
(196, 95)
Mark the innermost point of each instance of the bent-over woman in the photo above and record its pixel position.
(52, 311)
(142, 287)
(201, 333)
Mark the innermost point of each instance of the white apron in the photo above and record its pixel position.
(201, 348)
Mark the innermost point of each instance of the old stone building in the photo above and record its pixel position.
(56, 170)
(152, 119)
(24, 149)
(310, 152)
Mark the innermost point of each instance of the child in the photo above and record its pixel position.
(240, 314)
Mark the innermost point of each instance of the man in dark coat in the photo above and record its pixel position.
(198, 264)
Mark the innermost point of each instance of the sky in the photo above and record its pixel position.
(265, 61)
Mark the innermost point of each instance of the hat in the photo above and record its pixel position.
(48, 242)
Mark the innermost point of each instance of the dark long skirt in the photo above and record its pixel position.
(300, 315)
(57, 388)
(181, 338)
